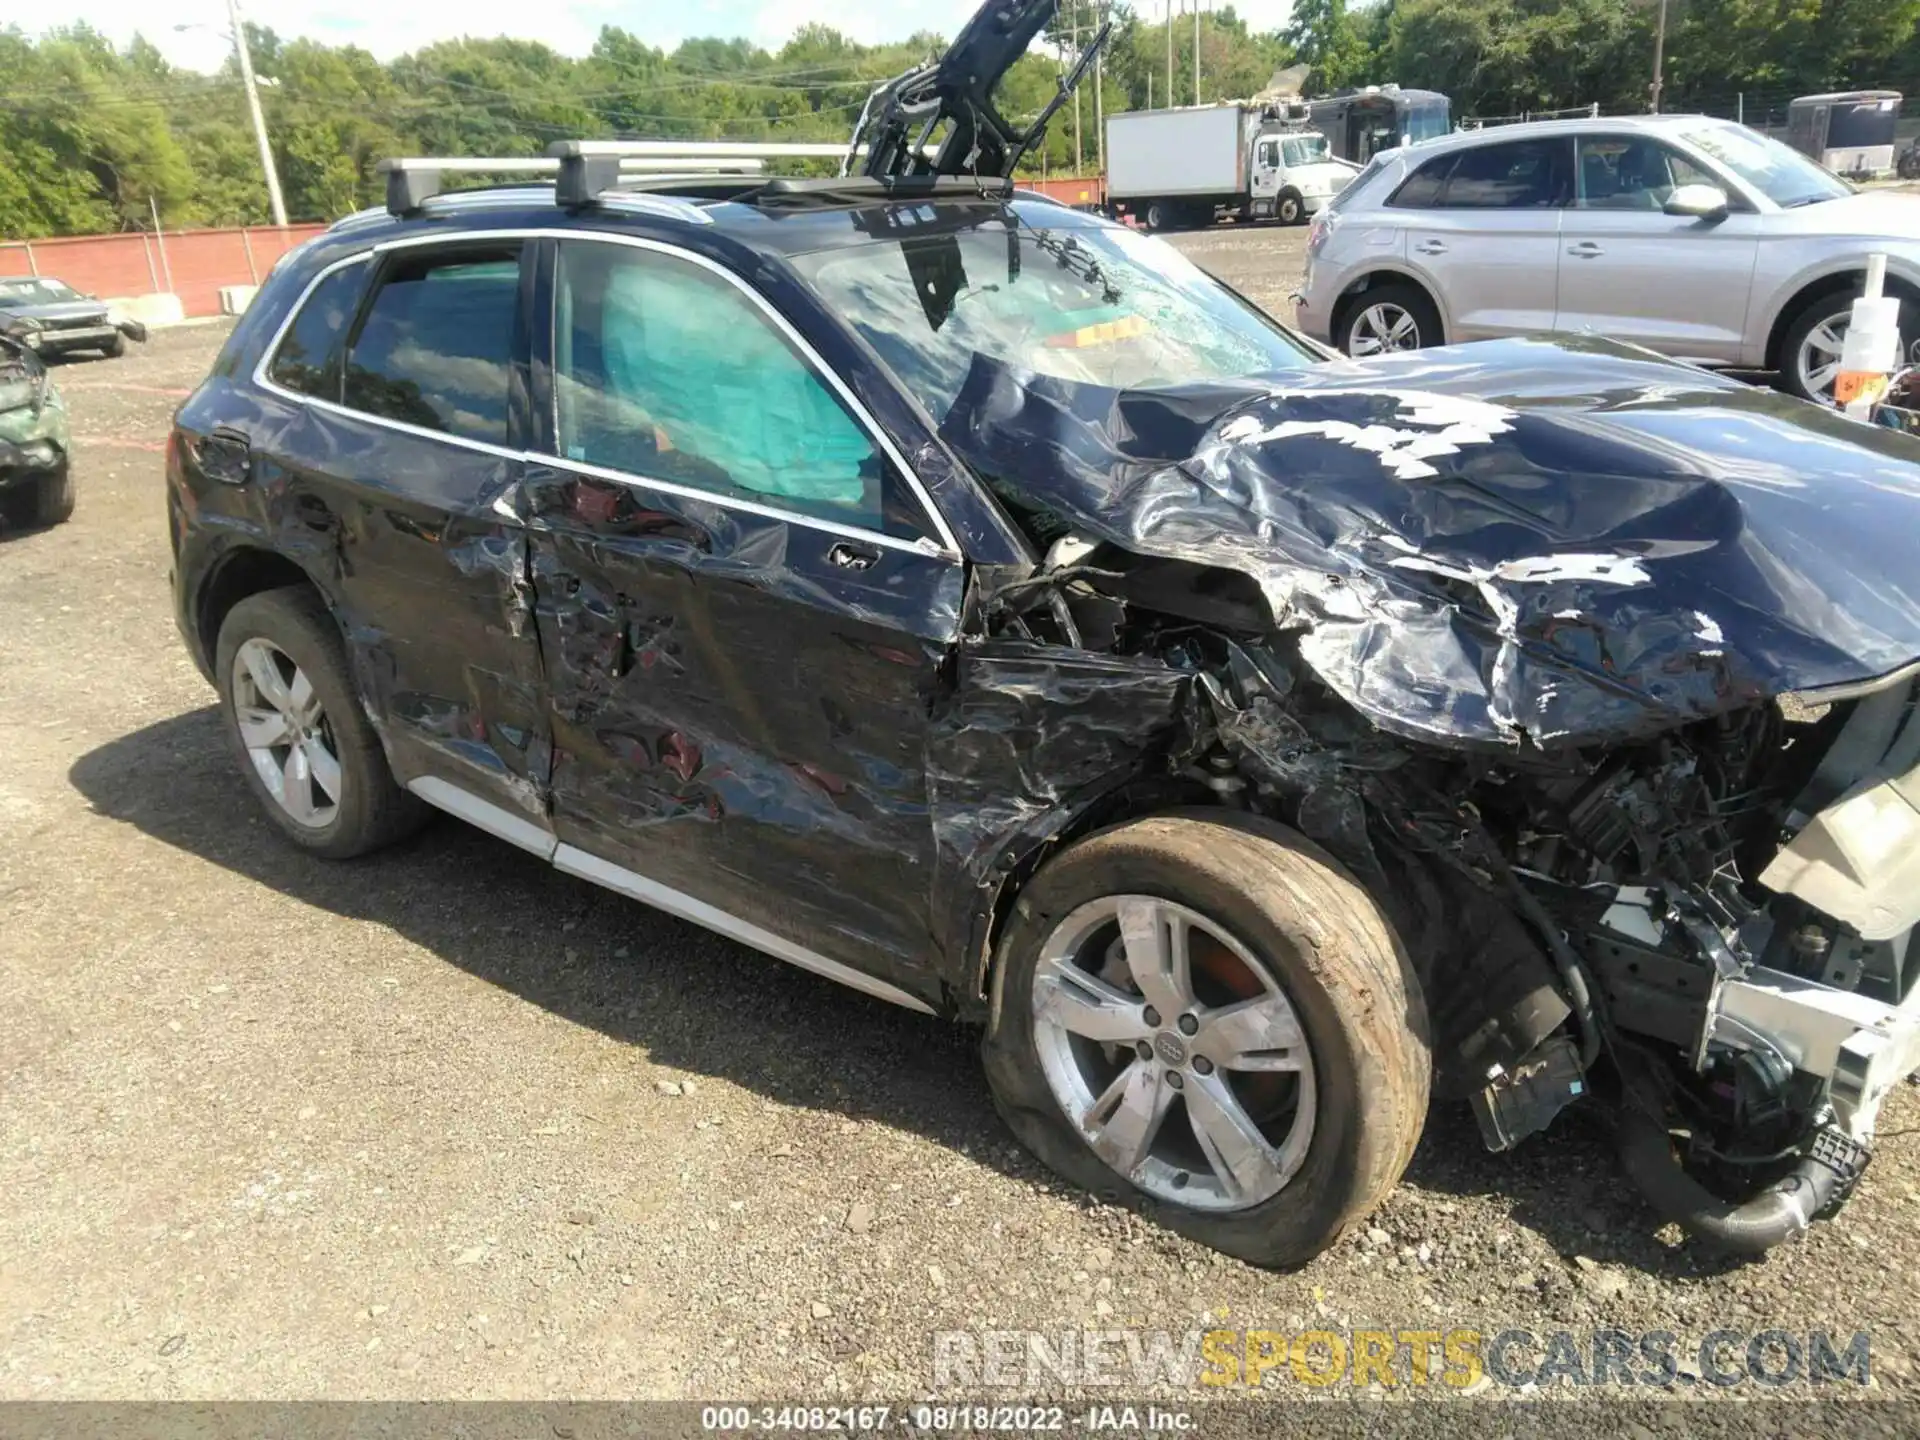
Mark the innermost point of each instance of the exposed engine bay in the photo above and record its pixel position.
(1580, 690)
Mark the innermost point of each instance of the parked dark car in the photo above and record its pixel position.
(53, 318)
(970, 600)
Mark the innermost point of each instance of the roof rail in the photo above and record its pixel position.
(580, 174)
(783, 190)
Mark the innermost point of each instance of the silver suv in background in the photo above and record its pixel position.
(1698, 238)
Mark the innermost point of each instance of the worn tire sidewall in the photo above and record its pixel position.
(279, 617)
(1336, 1183)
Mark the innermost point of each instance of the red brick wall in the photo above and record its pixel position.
(199, 261)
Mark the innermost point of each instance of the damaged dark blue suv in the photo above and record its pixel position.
(970, 600)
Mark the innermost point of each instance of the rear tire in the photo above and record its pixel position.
(364, 809)
(1160, 215)
(1313, 933)
(1386, 319)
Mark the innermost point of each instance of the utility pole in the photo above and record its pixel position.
(1170, 100)
(274, 199)
(1099, 105)
(1659, 54)
(1075, 55)
(1196, 52)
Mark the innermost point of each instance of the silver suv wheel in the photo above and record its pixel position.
(286, 733)
(1817, 360)
(1174, 1053)
(1383, 328)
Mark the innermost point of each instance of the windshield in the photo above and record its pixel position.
(1099, 305)
(1784, 176)
(36, 292)
(1426, 120)
(1303, 149)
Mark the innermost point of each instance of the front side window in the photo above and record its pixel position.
(668, 371)
(436, 346)
(1267, 153)
(1630, 172)
(1521, 175)
(307, 361)
(1097, 304)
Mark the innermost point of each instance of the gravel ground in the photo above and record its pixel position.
(446, 1123)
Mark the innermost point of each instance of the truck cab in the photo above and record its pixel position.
(1295, 174)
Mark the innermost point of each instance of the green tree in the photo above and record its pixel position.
(1327, 36)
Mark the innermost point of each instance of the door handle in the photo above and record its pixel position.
(1586, 249)
(848, 556)
(1431, 247)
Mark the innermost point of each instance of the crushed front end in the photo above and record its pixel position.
(34, 437)
(1604, 681)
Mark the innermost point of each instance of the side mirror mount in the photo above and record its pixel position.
(1701, 202)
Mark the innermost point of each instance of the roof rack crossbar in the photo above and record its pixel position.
(580, 174)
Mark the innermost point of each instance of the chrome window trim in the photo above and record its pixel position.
(946, 546)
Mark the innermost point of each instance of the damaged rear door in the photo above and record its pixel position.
(394, 480)
(742, 612)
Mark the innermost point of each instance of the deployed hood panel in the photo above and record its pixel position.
(1517, 541)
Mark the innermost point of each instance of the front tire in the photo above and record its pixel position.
(115, 347)
(1810, 350)
(1281, 1101)
(1291, 209)
(1387, 319)
(48, 501)
(306, 747)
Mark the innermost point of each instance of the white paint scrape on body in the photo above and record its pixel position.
(1426, 427)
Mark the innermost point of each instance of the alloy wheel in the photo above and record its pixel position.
(1382, 329)
(286, 733)
(1818, 363)
(1174, 1052)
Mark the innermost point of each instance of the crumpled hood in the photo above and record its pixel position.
(1514, 541)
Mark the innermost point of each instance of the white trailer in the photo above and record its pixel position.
(1186, 166)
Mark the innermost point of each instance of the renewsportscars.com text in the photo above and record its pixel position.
(1460, 1358)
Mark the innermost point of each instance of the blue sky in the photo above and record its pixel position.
(390, 27)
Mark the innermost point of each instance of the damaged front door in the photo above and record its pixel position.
(742, 617)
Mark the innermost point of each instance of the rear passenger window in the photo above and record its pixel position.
(1421, 190)
(307, 360)
(436, 346)
(669, 372)
(1524, 175)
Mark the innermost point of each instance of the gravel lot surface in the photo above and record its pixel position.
(446, 1123)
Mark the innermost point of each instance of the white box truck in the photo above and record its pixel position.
(1180, 167)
